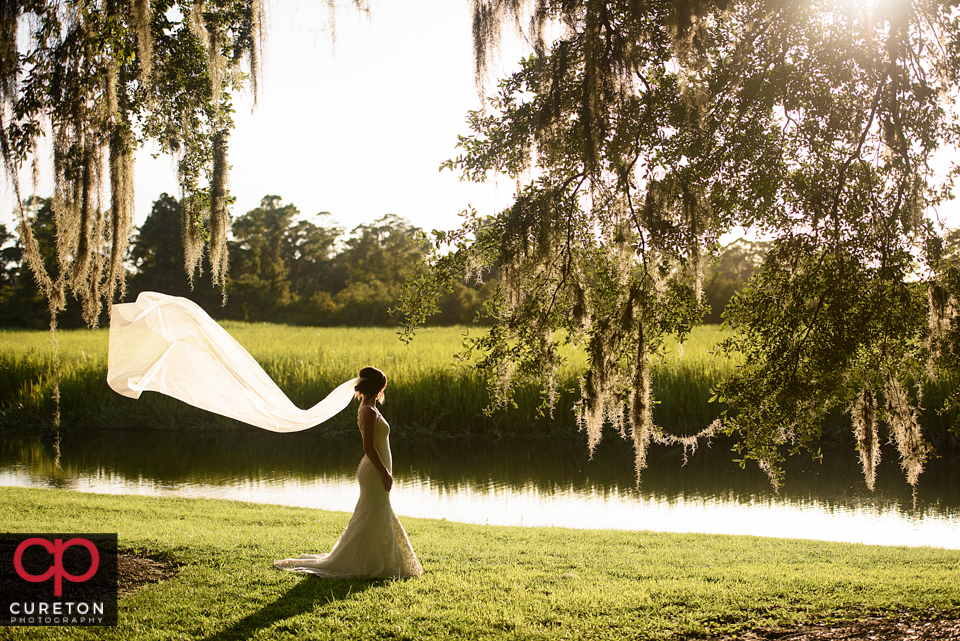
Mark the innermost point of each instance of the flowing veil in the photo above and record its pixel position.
(168, 344)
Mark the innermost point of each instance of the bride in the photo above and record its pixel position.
(374, 544)
(169, 345)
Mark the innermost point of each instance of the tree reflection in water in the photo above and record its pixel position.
(507, 482)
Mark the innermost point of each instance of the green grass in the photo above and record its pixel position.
(479, 582)
(428, 394)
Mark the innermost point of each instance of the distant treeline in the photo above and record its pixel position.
(285, 268)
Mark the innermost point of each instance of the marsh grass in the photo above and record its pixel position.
(428, 392)
(480, 582)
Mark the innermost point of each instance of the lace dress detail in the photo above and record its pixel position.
(374, 544)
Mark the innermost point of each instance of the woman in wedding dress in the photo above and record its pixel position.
(374, 544)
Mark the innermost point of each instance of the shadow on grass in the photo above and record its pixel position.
(308, 593)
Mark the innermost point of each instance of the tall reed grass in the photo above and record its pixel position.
(428, 392)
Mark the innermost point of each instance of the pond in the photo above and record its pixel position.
(507, 483)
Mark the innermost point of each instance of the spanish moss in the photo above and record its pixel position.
(863, 415)
(219, 214)
(105, 76)
(905, 429)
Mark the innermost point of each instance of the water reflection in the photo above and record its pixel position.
(504, 483)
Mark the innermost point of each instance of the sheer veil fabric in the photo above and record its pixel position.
(168, 344)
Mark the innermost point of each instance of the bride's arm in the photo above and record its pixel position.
(368, 424)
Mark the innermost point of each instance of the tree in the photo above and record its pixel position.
(463, 303)
(377, 260)
(260, 273)
(9, 258)
(284, 269)
(951, 245)
(729, 273)
(21, 305)
(157, 258)
(309, 252)
(278, 260)
(644, 132)
(104, 76)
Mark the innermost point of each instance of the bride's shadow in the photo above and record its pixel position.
(308, 593)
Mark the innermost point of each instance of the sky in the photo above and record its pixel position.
(357, 126)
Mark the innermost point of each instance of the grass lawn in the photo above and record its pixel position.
(479, 582)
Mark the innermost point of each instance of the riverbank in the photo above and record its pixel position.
(480, 582)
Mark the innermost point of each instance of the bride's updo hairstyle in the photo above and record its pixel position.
(372, 383)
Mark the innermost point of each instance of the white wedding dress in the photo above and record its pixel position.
(374, 544)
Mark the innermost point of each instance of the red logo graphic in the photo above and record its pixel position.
(56, 570)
